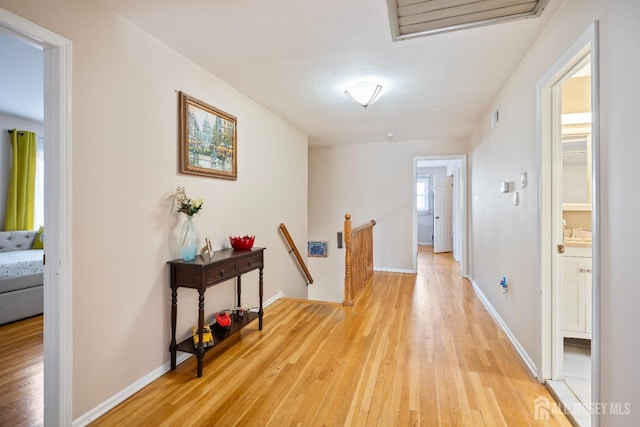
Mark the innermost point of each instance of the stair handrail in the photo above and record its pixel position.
(294, 249)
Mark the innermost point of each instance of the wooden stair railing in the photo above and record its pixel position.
(358, 258)
(294, 249)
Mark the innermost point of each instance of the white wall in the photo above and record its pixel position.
(125, 169)
(368, 181)
(8, 122)
(504, 237)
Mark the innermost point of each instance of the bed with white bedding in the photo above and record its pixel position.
(21, 278)
(20, 263)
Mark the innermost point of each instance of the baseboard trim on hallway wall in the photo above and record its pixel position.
(135, 387)
(273, 299)
(393, 270)
(127, 392)
(514, 341)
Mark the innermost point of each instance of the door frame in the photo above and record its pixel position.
(462, 204)
(550, 218)
(58, 343)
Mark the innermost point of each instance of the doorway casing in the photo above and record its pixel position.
(462, 205)
(550, 214)
(58, 345)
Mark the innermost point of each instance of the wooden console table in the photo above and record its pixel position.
(202, 273)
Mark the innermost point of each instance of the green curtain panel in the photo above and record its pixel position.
(22, 182)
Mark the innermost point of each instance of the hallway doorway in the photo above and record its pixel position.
(58, 346)
(569, 228)
(427, 171)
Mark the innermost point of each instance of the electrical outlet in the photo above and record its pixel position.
(495, 118)
(505, 285)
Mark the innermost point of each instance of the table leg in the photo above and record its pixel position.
(260, 311)
(239, 291)
(174, 316)
(200, 351)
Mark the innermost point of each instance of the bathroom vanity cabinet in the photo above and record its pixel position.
(577, 292)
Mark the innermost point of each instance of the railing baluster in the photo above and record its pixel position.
(358, 259)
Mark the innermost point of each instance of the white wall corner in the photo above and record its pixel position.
(519, 348)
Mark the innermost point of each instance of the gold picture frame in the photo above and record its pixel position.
(207, 140)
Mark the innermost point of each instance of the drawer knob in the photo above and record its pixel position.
(221, 273)
(250, 262)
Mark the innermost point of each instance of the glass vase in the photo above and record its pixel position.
(189, 240)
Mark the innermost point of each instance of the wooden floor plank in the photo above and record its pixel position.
(21, 373)
(414, 350)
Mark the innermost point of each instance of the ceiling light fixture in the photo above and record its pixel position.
(364, 93)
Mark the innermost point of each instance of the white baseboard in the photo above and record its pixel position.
(127, 392)
(132, 389)
(521, 351)
(393, 270)
(273, 299)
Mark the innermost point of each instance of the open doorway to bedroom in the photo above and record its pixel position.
(440, 209)
(57, 307)
(22, 138)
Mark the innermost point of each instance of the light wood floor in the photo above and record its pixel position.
(21, 368)
(414, 350)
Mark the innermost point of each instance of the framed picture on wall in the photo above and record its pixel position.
(207, 140)
(317, 249)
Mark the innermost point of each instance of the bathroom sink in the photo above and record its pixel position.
(584, 242)
(579, 233)
(577, 236)
(577, 239)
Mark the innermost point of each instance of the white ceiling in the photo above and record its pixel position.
(296, 58)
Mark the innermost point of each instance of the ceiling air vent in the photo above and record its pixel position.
(416, 18)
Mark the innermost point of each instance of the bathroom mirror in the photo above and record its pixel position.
(576, 172)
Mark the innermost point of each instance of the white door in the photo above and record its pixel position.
(442, 207)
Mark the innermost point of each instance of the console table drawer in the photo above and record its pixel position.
(215, 274)
(250, 263)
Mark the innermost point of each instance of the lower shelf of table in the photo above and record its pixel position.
(188, 347)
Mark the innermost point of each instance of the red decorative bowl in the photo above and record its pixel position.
(242, 243)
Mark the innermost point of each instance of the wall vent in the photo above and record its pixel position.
(417, 18)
